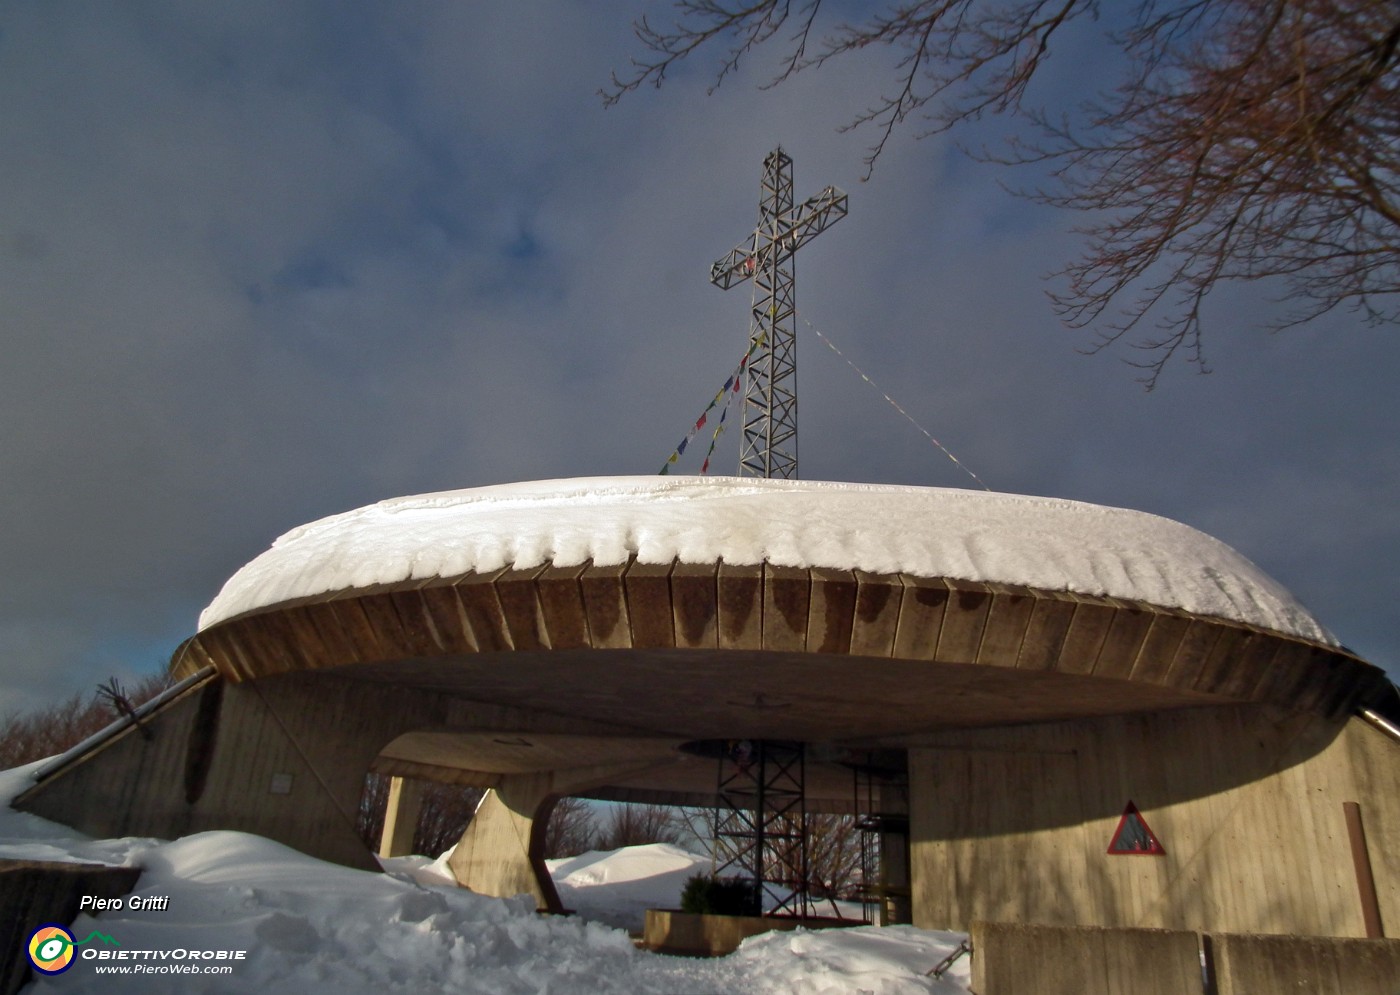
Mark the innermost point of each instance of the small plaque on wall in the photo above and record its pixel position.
(281, 784)
(1133, 837)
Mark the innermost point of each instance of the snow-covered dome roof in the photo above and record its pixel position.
(1044, 543)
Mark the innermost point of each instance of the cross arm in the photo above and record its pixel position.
(790, 232)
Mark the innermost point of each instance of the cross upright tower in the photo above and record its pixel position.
(761, 811)
(769, 445)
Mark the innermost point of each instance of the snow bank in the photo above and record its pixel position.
(618, 886)
(931, 532)
(313, 928)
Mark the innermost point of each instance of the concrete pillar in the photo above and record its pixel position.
(401, 816)
(896, 904)
(502, 852)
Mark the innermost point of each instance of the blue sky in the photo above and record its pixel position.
(264, 262)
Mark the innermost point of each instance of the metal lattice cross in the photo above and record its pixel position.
(769, 446)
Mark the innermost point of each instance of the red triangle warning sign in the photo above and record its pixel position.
(1134, 837)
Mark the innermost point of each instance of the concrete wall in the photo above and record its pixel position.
(1013, 824)
(1013, 959)
(284, 757)
(1246, 965)
(220, 757)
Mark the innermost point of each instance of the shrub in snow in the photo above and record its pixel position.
(709, 894)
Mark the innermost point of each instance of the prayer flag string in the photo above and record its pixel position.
(894, 404)
(719, 429)
(731, 387)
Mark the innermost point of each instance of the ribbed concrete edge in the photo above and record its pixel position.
(758, 608)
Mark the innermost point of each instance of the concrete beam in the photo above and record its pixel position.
(401, 816)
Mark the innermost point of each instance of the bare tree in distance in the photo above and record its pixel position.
(833, 855)
(44, 732)
(1244, 140)
(574, 825)
(570, 830)
(834, 848)
(443, 817)
(374, 803)
(635, 825)
(443, 814)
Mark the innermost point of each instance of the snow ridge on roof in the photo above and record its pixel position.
(1046, 543)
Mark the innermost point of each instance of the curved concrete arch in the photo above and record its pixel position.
(1041, 654)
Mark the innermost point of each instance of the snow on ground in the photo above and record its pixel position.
(929, 532)
(314, 928)
(617, 887)
(614, 886)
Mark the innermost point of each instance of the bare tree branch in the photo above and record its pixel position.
(1247, 140)
(1268, 149)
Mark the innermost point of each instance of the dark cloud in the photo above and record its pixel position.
(261, 263)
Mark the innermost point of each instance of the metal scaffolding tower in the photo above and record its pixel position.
(769, 445)
(760, 825)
